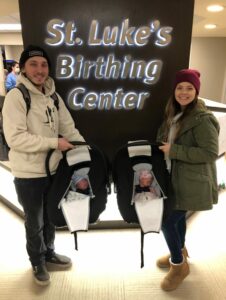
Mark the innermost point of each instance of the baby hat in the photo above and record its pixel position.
(145, 174)
(32, 51)
(76, 177)
(188, 75)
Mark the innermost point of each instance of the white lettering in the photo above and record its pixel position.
(61, 32)
(78, 99)
(54, 29)
(164, 36)
(64, 66)
(109, 68)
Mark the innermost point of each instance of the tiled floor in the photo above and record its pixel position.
(106, 267)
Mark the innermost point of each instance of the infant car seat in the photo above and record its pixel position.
(87, 161)
(148, 212)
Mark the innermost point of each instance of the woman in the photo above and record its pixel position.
(189, 137)
(11, 78)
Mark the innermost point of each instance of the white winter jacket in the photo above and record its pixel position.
(30, 136)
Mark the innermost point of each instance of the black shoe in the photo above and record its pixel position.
(41, 275)
(58, 260)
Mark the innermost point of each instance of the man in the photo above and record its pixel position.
(30, 135)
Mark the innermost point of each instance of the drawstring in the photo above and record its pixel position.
(50, 117)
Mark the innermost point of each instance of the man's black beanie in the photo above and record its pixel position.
(31, 51)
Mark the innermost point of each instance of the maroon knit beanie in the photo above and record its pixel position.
(188, 75)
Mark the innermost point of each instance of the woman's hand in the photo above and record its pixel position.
(64, 145)
(165, 147)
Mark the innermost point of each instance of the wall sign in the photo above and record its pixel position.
(113, 61)
(109, 68)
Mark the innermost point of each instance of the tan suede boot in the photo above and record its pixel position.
(163, 262)
(175, 276)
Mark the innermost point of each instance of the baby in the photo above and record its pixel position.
(80, 184)
(147, 184)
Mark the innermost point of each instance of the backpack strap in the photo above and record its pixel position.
(27, 98)
(49, 154)
(55, 100)
(25, 94)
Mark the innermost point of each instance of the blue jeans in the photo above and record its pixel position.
(40, 232)
(174, 230)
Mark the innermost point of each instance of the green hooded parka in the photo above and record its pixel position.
(193, 155)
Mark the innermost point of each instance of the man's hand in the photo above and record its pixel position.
(64, 145)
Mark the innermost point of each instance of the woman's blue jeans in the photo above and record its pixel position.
(174, 230)
(40, 232)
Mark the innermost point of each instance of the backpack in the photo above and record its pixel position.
(128, 160)
(4, 148)
(95, 169)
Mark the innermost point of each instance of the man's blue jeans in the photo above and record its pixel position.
(174, 230)
(40, 232)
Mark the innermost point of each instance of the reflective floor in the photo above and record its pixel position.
(107, 265)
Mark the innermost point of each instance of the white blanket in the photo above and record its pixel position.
(149, 211)
(76, 211)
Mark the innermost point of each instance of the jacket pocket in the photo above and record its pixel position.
(194, 188)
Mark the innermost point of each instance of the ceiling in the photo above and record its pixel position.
(202, 17)
(9, 13)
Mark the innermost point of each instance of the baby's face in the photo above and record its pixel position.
(145, 179)
(82, 184)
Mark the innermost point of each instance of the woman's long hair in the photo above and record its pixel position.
(172, 109)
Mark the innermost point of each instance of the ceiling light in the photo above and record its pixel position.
(210, 26)
(215, 8)
(10, 27)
